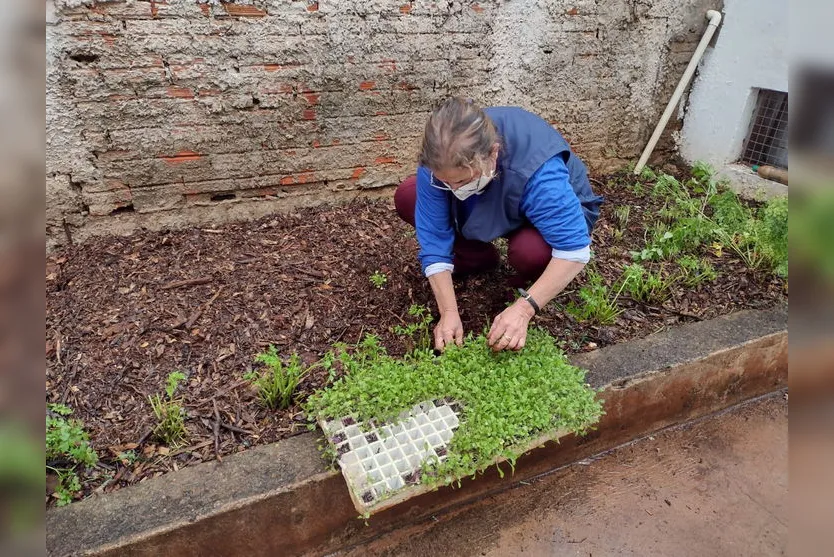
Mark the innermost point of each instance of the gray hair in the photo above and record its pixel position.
(458, 135)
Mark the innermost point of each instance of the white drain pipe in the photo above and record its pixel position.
(714, 21)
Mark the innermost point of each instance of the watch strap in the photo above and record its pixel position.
(526, 295)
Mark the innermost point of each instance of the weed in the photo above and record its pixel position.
(773, 234)
(621, 217)
(417, 333)
(168, 411)
(648, 174)
(277, 383)
(67, 447)
(507, 398)
(695, 271)
(379, 279)
(646, 286)
(598, 304)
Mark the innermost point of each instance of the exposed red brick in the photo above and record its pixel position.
(181, 92)
(154, 9)
(390, 65)
(312, 98)
(316, 143)
(572, 11)
(277, 67)
(477, 8)
(308, 114)
(108, 38)
(357, 173)
(381, 136)
(287, 181)
(182, 156)
(385, 160)
(336, 142)
(314, 7)
(380, 113)
(206, 9)
(243, 10)
(406, 86)
(305, 178)
(405, 8)
(367, 85)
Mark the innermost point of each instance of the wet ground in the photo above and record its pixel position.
(717, 486)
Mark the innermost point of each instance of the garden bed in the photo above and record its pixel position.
(120, 317)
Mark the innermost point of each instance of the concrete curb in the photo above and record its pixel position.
(281, 500)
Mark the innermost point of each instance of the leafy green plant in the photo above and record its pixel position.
(507, 399)
(621, 218)
(773, 234)
(67, 448)
(598, 304)
(696, 271)
(646, 286)
(418, 332)
(379, 279)
(168, 411)
(277, 383)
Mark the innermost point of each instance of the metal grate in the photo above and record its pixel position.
(767, 142)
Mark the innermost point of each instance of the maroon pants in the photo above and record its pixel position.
(527, 251)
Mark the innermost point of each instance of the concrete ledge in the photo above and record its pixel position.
(750, 185)
(281, 500)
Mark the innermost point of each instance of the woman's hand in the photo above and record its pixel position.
(449, 330)
(509, 329)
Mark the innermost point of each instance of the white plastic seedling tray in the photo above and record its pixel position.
(382, 463)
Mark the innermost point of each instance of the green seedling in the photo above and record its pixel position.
(277, 382)
(598, 305)
(645, 286)
(418, 332)
(168, 411)
(379, 279)
(67, 449)
(621, 217)
(696, 271)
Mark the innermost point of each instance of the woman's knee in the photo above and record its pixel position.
(405, 199)
(528, 253)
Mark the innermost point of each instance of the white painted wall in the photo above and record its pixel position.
(751, 52)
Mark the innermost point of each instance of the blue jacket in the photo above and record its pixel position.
(539, 181)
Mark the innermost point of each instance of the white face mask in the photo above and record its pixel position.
(475, 187)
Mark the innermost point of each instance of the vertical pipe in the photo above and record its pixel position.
(714, 21)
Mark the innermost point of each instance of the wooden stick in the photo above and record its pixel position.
(216, 431)
(187, 282)
(199, 311)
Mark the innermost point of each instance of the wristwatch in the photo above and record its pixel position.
(526, 295)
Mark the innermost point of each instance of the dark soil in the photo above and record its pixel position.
(122, 313)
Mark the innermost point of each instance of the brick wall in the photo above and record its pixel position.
(191, 111)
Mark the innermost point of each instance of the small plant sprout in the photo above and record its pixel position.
(621, 217)
(417, 333)
(379, 279)
(695, 271)
(277, 382)
(598, 304)
(168, 411)
(67, 448)
(645, 286)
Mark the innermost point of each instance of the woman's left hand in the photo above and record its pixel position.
(509, 329)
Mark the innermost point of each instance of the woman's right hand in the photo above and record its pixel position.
(449, 330)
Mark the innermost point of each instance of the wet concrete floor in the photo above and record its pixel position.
(717, 486)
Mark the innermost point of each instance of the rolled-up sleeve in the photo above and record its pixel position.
(432, 218)
(551, 206)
